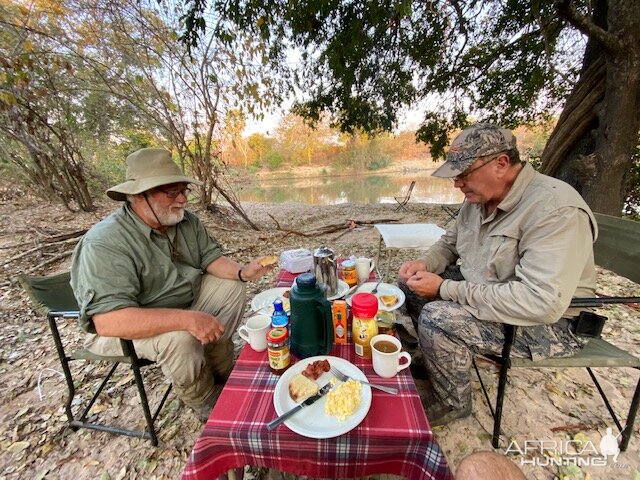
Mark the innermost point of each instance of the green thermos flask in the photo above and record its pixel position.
(311, 323)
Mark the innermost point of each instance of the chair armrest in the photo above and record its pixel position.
(599, 301)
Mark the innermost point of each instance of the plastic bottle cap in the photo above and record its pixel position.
(278, 334)
(277, 306)
(348, 263)
(364, 305)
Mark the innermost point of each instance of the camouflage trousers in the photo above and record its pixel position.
(449, 336)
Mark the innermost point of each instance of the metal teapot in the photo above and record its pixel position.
(326, 269)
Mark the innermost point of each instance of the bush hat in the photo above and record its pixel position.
(478, 140)
(148, 168)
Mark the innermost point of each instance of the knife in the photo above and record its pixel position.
(321, 393)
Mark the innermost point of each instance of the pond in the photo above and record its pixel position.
(364, 188)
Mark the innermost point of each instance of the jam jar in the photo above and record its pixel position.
(278, 350)
(349, 272)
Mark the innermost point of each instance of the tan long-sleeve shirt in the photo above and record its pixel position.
(523, 263)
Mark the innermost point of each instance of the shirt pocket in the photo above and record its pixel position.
(503, 257)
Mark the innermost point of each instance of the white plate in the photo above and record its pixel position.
(266, 298)
(383, 289)
(343, 288)
(311, 421)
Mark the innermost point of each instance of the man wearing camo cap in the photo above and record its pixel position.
(520, 249)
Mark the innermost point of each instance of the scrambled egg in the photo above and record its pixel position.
(343, 400)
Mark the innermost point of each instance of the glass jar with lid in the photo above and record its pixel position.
(364, 307)
(349, 272)
(278, 350)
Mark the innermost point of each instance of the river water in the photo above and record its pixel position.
(368, 189)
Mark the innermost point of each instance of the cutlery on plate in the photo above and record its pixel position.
(343, 378)
(375, 290)
(321, 393)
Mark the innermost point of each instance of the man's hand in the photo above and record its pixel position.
(409, 269)
(205, 327)
(425, 284)
(254, 269)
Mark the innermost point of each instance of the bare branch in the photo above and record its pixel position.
(567, 11)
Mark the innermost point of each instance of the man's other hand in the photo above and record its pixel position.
(409, 269)
(425, 284)
(205, 327)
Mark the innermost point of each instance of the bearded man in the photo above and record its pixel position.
(150, 272)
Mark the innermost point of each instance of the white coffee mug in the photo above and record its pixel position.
(386, 354)
(255, 332)
(364, 266)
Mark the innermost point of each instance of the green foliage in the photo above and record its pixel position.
(378, 163)
(273, 160)
(364, 61)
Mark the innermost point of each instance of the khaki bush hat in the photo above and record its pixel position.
(478, 140)
(146, 169)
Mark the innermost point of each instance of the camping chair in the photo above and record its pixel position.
(615, 249)
(452, 211)
(53, 296)
(403, 200)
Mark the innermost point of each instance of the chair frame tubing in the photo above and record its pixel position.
(136, 363)
(505, 365)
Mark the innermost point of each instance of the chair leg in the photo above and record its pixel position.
(497, 419)
(145, 403)
(633, 410)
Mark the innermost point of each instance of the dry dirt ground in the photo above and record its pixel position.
(34, 442)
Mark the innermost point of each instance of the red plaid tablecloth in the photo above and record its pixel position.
(285, 278)
(394, 437)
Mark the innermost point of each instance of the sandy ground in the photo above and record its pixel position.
(35, 444)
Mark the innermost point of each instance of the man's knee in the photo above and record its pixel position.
(485, 465)
(181, 356)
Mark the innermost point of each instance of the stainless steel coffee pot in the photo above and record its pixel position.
(324, 263)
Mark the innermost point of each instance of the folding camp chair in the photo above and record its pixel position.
(404, 199)
(53, 296)
(616, 249)
(452, 211)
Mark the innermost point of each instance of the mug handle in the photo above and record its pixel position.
(243, 333)
(402, 366)
(373, 265)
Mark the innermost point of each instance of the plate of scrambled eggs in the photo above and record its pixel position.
(339, 411)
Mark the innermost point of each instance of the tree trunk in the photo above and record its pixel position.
(591, 146)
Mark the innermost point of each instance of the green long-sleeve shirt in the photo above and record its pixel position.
(122, 262)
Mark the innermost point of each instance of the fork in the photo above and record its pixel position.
(375, 290)
(343, 378)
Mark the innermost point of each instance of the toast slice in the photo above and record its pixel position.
(301, 388)
(270, 260)
(388, 300)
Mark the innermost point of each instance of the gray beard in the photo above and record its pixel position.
(168, 219)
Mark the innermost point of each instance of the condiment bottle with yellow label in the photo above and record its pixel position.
(364, 307)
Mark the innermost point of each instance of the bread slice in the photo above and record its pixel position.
(270, 260)
(389, 300)
(301, 388)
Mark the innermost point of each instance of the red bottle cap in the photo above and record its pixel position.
(364, 305)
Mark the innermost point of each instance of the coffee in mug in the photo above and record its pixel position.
(386, 355)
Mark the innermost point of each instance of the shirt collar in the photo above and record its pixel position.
(516, 191)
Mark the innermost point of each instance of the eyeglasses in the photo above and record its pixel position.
(174, 192)
(464, 175)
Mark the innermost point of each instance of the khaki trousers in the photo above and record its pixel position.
(189, 365)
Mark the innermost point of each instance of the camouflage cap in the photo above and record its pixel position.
(478, 140)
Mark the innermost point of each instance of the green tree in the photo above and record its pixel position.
(41, 111)
(508, 62)
(259, 144)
